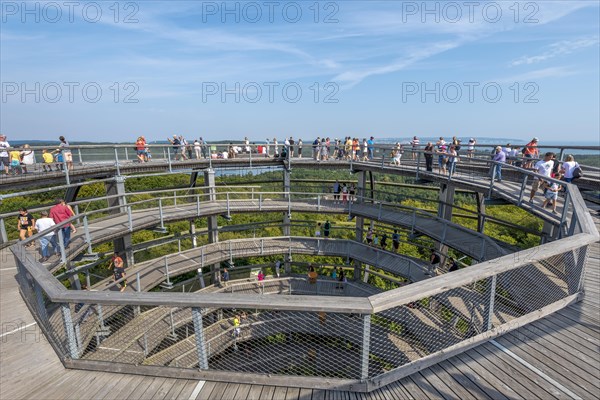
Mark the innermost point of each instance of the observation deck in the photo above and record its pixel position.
(514, 324)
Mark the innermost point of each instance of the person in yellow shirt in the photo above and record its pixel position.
(48, 160)
(15, 162)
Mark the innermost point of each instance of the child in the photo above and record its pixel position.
(551, 195)
(318, 230)
(48, 160)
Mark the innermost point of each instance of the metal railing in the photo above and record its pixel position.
(358, 344)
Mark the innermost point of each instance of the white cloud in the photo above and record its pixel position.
(557, 49)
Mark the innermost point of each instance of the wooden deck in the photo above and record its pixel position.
(555, 357)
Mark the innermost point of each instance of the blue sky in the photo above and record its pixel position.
(387, 69)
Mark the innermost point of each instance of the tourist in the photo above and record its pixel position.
(299, 148)
(369, 236)
(65, 151)
(415, 147)
(197, 149)
(568, 167)
(27, 158)
(499, 157)
(395, 240)
(453, 265)
(236, 326)
(204, 148)
(324, 150)
(292, 143)
(4, 158)
(326, 228)
(15, 161)
(344, 193)
(118, 266)
(260, 278)
(336, 192)
(318, 230)
(429, 156)
(275, 148)
(351, 192)
(530, 151)
(25, 224)
(383, 242)
(544, 168)
(225, 276)
(365, 150)
(312, 275)
(61, 212)
(342, 277)
(471, 147)
(375, 240)
(140, 149)
(551, 195)
(452, 160)
(176, 147)
(434, 261)
(185, 148)
(334, 274)
(247, 148)
(371, 146)
(277, 267)
(42, 224)
(442, 155)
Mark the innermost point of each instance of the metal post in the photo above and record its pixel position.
(126, 154)
(86, 232)
(364, 374)
(179, 245)
(563, 217)
(68, 323)
(80, 158)
(88, 282)
(319, 202)
(138, 283)
(3, 236)
(160, 214)
(174, 197)
(492, 181)
(61, 245)
(200, 342)
(523, 185)
(67, 178)
(117, 162)
(490, 311)
(198, 204)
(260, 202)
(418, 165)
(167, 271)
(228, 215)
(172, 322)
(262, 244)
(129, 219)
(379, 213)
(169, 161)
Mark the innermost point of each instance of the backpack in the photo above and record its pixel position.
(577, 172)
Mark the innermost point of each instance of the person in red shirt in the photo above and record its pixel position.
(140, 147)
(61, 212)
(531, 151)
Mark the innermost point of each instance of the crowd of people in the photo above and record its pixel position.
(17, 160)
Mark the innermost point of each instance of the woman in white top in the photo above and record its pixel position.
(27, 157)
(567, 168)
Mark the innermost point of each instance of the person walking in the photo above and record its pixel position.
(42, 224)
(61, 212)
(25, 224)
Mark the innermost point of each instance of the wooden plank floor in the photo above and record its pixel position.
(557, 357)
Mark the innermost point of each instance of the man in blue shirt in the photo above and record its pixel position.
(370, 147)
